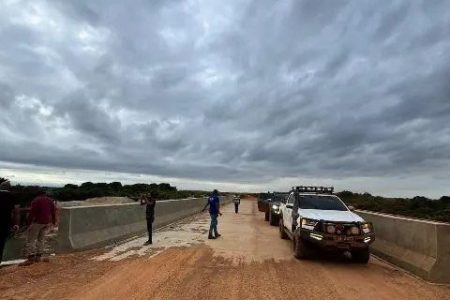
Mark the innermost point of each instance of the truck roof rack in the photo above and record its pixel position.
(314, 189)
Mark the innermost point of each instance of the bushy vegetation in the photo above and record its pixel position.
(69, 192)
(417, 207)
(116, 189)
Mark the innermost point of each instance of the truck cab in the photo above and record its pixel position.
(314, 218)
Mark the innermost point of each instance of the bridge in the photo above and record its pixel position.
(100, 255)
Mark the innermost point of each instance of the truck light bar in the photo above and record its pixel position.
(314, 189)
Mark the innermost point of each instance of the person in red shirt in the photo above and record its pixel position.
(41, 216)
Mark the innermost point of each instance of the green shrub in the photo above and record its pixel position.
(417, 207)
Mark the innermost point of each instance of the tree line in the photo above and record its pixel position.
(69, 192)
(417, 207)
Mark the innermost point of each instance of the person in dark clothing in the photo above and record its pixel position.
(214, 212)
(237, 202)
(7, 210)
(150, 202)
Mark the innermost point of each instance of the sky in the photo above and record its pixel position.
(239, 95)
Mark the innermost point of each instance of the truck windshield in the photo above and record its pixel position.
(321, 202)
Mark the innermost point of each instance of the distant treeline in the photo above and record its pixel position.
(116, 189)
(69, 192)
(417, 207)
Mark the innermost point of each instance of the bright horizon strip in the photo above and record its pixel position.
(50, 176)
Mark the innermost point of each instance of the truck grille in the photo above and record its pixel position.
(340, 228)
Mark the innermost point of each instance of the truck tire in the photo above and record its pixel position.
(301, 250)
(361, 256)
(272, 220)
(266, 216)
(283, 234)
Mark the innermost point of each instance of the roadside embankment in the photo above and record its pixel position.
(421, 247)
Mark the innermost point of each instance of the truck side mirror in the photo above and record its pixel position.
(351, 207)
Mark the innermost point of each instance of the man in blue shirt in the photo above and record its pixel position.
(214, 212)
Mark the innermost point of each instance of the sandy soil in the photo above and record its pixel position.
(248, 262)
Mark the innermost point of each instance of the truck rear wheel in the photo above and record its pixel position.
(301, 250)
(266, 216)
(361, 256)
(283, 234)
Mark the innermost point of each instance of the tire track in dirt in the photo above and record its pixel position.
(197, 273)
(141, 277)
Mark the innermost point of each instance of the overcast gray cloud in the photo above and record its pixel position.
(232, 92)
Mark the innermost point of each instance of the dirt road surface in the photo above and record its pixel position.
(249, 261)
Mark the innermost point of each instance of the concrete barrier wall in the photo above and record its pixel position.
(421, 247)
(85, 227)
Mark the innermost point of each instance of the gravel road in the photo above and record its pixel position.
(249, 261)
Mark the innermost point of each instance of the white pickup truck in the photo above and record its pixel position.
(314, 218)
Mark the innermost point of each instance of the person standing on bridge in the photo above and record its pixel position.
(150, 202)
(40, 218)
(214, 212)
(7, 214)
(237, 202)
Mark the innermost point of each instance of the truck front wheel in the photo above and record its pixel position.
(283, 234)
(266, 216)
(272, 220)
(301, 250)
(361, 256)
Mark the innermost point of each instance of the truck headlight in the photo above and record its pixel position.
(354, 230)
(331, 229)
(275, 207)
(367, 227)
(308, 223)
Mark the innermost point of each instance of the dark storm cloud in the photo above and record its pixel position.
(89, 119)
(233, 91)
